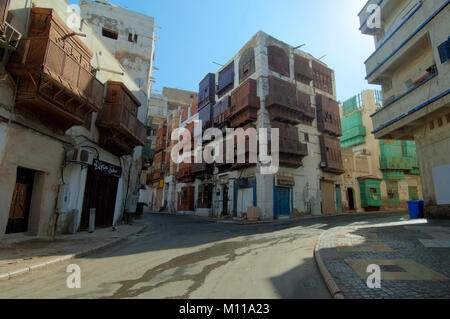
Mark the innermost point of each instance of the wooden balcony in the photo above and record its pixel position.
(161, 135)
(120, 129)
(328, 117)
(184, 174)
(244, 104)
(291, 150)
(288, 105)
(55, 82)
(202, 169)
(330, 149)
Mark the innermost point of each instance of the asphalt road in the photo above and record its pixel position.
(185, 257)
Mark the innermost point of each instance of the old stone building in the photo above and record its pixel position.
(72, 125)
(266, 84)
(379, 174)
(411, 63)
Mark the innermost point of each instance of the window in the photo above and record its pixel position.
(133, 38)
(306, 137)
(444, 51)
(109, 33)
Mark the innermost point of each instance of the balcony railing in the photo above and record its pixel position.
(9, 37)
(428, 92)
(402, 38)
(396, 163)
(54, 84)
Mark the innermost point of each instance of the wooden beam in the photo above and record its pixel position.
(33, 80)
(58, 93)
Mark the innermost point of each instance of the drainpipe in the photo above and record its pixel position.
(28, 16)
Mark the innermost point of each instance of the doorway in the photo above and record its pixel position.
(19, 211)
(100, 193)
(225, 201)
(282, 202)
(351, 199)
(338, 199)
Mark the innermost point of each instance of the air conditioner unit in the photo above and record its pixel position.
(78, 155)
(323, 164)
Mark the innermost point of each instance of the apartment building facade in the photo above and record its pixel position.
(267, 84)
(411, 64)
(72, 125)
(379, 174)
(129, 35)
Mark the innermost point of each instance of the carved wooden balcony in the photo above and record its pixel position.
(161, 135)
(244, 104)
(55, 80)
(291, 150)
(184, 174)
(328, 117)
(330, 149)
(287, 104)
(120, 129)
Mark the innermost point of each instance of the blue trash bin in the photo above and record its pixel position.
(416, 209)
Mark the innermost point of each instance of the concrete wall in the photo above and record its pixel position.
(42, 149)
(25, 148)
(137, 58)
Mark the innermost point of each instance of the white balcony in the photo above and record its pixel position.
(413, 28)
(399, 119)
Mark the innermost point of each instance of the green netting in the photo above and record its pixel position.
(354, 141)
(351, 121)
(352, 104)
(394, 175)
(370, 192)
(353, 132)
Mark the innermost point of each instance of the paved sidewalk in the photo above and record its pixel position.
(22, 254)
(414, 258)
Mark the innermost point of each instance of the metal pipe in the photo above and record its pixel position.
(28, 16)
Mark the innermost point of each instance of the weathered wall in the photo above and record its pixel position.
(137, 58)
(39, 153)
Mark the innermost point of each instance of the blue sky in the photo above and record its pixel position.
(197, 32)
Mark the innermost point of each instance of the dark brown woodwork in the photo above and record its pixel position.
(328, 117)
(244, 104)
(120, 129)
(56, 83)
(330, 148)
(287, 104)
(291, 150)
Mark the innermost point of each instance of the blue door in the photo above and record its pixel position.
(282, 201)
(338, 200)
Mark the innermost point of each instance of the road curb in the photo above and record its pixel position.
(333, 287)
(25, 270)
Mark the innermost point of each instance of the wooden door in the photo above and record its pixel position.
(20, 204)
(100, 193)
(328, 198)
